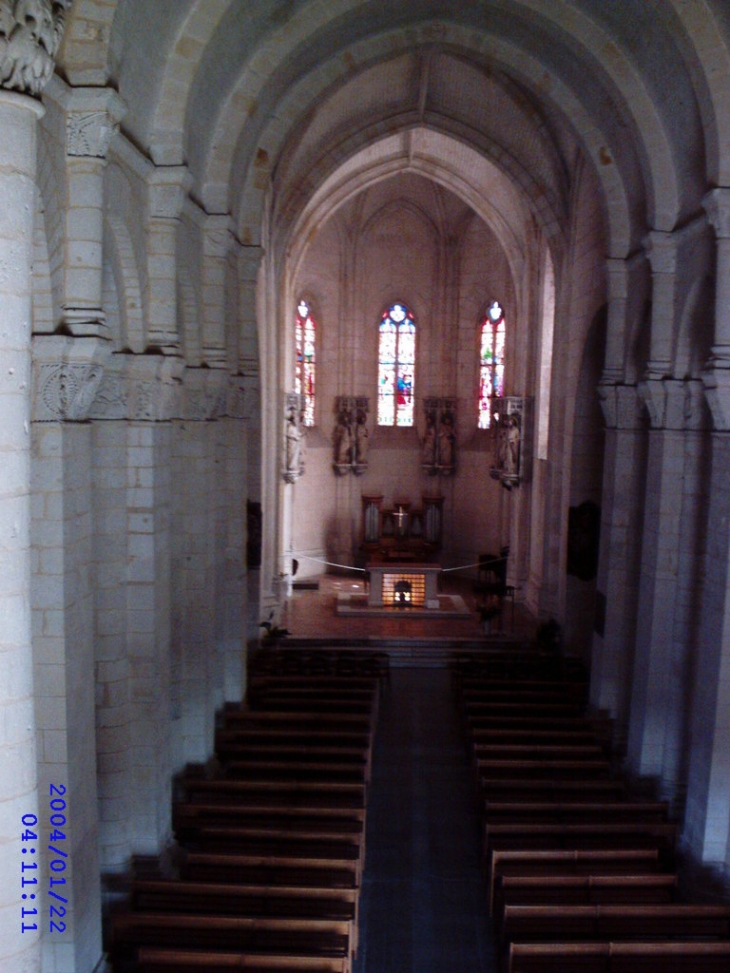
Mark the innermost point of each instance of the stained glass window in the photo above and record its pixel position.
(306, 360)
(491, 361)
(396, 367)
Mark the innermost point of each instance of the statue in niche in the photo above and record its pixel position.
(343, 441)
(447, 443)
(428, 447)
(509, 446)
(293, 443)
(362, 442)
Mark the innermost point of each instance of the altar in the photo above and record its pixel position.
(403, 585)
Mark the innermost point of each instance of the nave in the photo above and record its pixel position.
(424, 897)
(500, 833)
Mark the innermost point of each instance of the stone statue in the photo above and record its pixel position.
(509, 446)
(447, 440)
(30, 35)
(428, 447)
(343, 440)
(293, 443)
(362, 443)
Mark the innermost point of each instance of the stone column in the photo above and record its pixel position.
(618, 574)
(707, 821)
(90, 117)
(28, 51)
(661, 248)
(20, 904)
(216, 243)
(167, 187)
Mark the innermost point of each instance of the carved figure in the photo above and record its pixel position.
(293, 438)
(509, 447)
(362, 443)
(428, 447)
(343, 440)
(447, 439)
(30, 34)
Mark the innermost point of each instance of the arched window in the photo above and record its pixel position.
(396, 367)
(491, 361)
(306, 360)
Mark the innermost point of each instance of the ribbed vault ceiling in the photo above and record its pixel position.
(281, 94)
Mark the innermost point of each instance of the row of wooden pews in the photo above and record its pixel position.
(271, 834)
(582, 876)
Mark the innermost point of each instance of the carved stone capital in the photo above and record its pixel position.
(674, 403)
(139, 388)
(92, 117)
(67, 374)
(661, 249)
(621, 404)
(717, 207)
(204, 394)
(30, 35)
(167, 187)
(717, 392)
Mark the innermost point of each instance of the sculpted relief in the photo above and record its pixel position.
(30, 35)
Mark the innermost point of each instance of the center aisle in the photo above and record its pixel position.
(423, 905)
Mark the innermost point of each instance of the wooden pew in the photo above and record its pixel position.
(278, 937)
(270, 870)
(280, 844)
(547, 863)
(512, 737)
(571, 837)
(189, 818)
(297, 771)
(543, 923)
(477, 711)
(260, 793)
(210, 898)
(155, 960)
(537, 769)
(601, 726)
(647, 957)
(602, 789)
(575, 812)
(536, 751)
(298, 721)
(636, 889)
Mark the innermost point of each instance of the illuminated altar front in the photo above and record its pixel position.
(406, 585)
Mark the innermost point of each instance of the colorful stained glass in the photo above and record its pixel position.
(396, 367)
(491, 361)
(306, 360)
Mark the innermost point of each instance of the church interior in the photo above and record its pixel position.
(401, 328)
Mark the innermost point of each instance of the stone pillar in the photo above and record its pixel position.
(707, 820)
(618, 573)
(661, 249)
(91, 117)
(27, 64)
(167, 187)
(216, 243)
(19, 929)
(717, 205)
(652, 710)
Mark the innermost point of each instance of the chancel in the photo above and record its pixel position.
(377, 288)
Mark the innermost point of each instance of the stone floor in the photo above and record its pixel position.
(424, 896)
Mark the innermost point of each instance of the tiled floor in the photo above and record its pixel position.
(424, 896)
